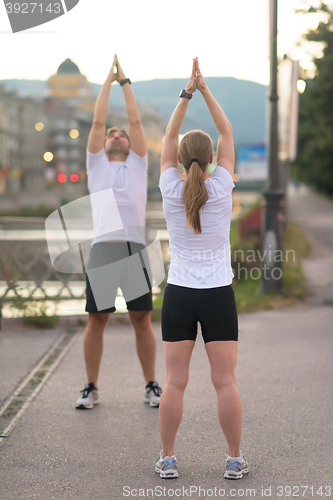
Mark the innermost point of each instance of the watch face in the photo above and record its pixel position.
(183, 93)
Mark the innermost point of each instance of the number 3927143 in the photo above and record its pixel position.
(32, 7)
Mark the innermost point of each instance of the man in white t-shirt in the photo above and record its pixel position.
(118, 162)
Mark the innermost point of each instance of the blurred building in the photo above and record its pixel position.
(69, 108)
(67, 135)
(42, 139)
(21, 145)
(4, 150)
(69, 85)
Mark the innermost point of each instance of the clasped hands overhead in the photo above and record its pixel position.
(196, 81)
(118, 75)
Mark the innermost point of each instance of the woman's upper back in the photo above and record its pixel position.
(199, 260)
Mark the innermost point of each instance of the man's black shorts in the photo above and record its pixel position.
(213, 308)
(108, 252)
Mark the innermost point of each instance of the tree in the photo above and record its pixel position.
(315, 157)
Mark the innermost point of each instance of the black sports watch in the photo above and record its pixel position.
(185, 94)
(126, 80)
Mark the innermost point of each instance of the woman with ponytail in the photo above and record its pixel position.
(197, 209)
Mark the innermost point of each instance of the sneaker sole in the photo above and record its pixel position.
(151, 404)
(87, 407)
(234, 475)
(167, 475)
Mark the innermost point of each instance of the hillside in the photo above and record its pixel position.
(243, 101)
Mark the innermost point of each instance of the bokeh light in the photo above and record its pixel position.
(62, 178)
(39, 126)
(312, 19)
(74, 177)
(74, 133)
(236, 177)
(48, 156)
(301, 85)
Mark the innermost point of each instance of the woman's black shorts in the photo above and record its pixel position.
(108, 252)
(213, 308)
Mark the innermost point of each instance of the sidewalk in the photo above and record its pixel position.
(314, 214)
(284, 376)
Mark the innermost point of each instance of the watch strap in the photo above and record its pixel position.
(127, 80)
(185, 94)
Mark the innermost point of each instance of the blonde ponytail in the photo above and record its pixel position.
(194, 196)
(195, 151)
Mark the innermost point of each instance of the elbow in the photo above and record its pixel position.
(171, 134)
(98, 122)
(229, 128)
(135, 122)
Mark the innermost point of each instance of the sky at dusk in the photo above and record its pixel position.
(154, 39)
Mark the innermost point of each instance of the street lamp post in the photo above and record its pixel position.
(274, 195)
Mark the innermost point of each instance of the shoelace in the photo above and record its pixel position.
(168, 463)
(86, 391)
(234, 464)
(157, 390)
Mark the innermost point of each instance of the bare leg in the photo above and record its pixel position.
(145, 342)
(93, 344)
(177, 360)
(222, 357)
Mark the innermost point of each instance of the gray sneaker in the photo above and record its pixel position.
(166, 467)
(236, 469)
(89, 397)
(153, 394)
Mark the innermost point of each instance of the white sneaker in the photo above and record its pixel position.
(89, 397)
(236, 467)
(166, 467)
(153, 394)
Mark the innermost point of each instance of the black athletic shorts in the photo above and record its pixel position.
(108, 252)
(213, 308)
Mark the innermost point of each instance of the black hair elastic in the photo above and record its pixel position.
(194, 159)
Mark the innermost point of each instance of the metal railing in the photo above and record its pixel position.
(26, 271)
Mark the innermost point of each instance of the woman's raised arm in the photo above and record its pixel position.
(170, 153)
(225, 144)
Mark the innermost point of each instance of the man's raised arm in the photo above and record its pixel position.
(135, 132)
(97, 132)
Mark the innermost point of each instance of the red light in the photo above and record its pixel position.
(74, 177)
(62, 178)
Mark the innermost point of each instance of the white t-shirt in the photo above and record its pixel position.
(128, 180)
(199, 260)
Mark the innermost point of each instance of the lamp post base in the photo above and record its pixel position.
(272, 247)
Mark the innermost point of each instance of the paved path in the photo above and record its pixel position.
(285, 380)
(19, 352)
(315, 215)
(284, 375)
